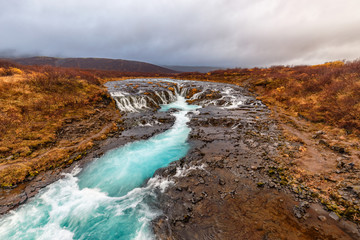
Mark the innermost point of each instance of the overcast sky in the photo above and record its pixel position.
(224, 33)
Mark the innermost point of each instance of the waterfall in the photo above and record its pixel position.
(108, 199)
(145, 97)
(153, 100)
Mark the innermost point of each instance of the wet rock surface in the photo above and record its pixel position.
(230, 185)
(134, 126)
(14, 197)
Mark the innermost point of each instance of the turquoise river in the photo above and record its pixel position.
(111, 198)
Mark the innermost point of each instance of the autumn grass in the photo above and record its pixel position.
(34, 106)
(327, 93)
(310, 98)
(50, 117)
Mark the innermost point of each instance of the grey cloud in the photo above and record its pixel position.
(228, 33)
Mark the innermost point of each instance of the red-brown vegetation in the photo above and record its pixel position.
(306, 99)
(38, 103)
(327, 93)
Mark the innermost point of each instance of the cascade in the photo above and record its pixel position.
(114, 197)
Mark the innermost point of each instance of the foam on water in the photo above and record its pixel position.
(226, 97)
(108, 199)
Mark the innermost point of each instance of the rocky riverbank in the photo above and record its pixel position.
(129, 129)
(232, 185)
(234, 182)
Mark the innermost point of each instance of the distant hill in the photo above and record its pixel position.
(95, 63)
(201, 69)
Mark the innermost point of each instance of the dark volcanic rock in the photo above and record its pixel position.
(216, 194)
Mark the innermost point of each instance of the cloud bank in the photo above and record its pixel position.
(225, 33)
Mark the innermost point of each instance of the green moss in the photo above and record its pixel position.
(314, 194)
(260, 184)
(350, 212)
(6, 185)
(283, 182)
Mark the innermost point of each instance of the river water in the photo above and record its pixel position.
(112, 198)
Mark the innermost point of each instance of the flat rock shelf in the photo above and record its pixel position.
(194, 160)
(229, 185)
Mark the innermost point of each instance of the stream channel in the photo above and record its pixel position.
(114, 197)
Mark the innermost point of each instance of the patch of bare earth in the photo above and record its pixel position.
(326, 162)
